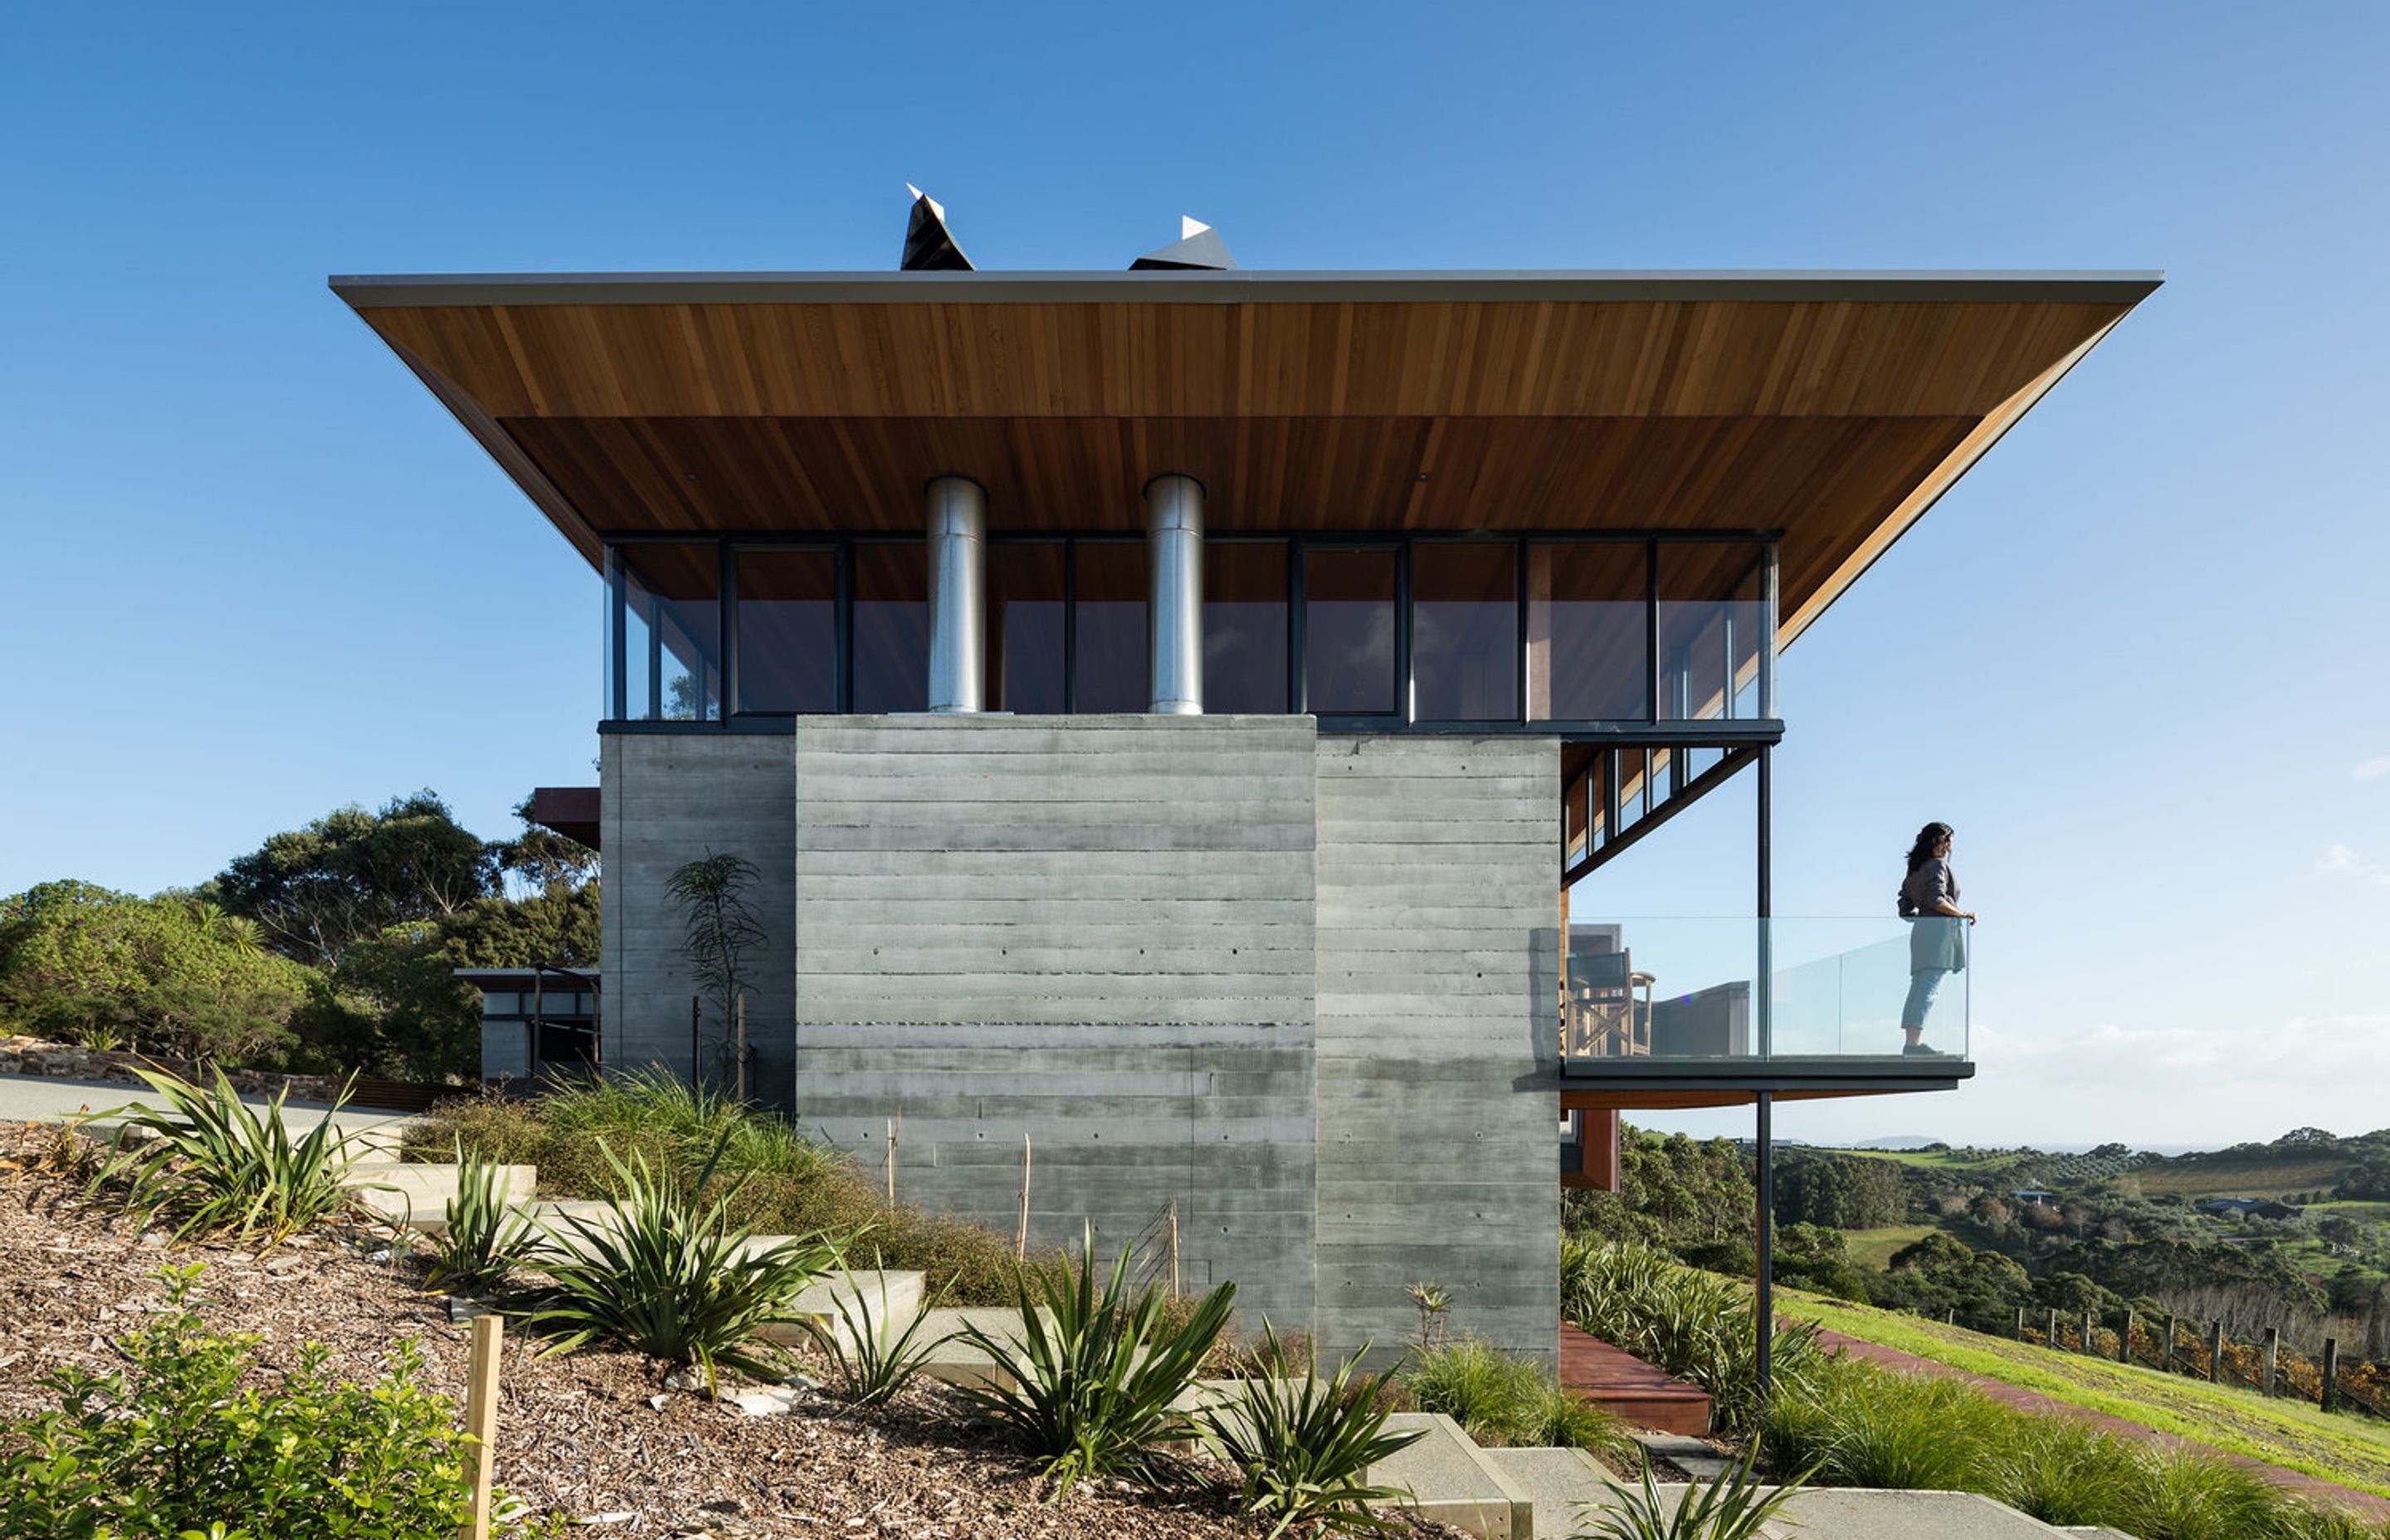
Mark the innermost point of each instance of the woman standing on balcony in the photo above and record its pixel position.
(1937, 936)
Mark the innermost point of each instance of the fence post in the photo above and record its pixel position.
(482, 1419)
(2330, 1373)
(2090, 1335)
(2050, 1341)
(2273, 1355)
(2214, 1352)
(2124, 1341)
(2166, 1353)
(1950, 1317)
(2020, 1326)
(738, 1043)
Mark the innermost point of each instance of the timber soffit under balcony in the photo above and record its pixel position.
(1831, 407)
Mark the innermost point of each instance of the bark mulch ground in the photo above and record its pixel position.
(594, 1437)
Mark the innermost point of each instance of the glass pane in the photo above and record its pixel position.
(1589, 653)
(1348, 629)
(1111, 639)
(788, 631)
(1025, 627)
(1465, 632)
(1244, 628)
(891, 628)
(1710, 626)
(625, 592)
(672, 670)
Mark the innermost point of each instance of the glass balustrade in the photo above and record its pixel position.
(1790, 988)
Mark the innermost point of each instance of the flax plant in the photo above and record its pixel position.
(666, 1273)
(1094, 1395)
(224, 1168)
(485, 1239)
(1302, 1446)
(874, 1364)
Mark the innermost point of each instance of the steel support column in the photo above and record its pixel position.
(957, 551)
(1173, 610)
(1764, 1306)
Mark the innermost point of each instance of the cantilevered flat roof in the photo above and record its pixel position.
(1831, 408)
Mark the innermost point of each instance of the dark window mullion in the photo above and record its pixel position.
(727, 628)
(843, 691)
(1651, 628)
(1406, 697)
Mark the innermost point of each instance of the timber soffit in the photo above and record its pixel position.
(1875, 521)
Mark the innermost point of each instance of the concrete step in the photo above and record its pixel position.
(1849, 1514)
(1453, 1481)
(415, 1194)
(1696, 1457)
(1562, 1487)
(961, 1363)
(882, 1303)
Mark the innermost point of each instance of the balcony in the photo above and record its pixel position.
(1815, 1004)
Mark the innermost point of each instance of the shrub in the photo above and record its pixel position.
(1094, 1395)
(1689, 1323)
(668, 1274)
(484, 1238)
(788, 1185)
(177, 1443)
(872, 1363)
(1733, 1507)
(1302, 1446)
(2188, 1494)
(224, 1168)
(1502, 1400)
(2065, 1473)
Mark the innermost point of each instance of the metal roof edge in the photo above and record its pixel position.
(380, 291)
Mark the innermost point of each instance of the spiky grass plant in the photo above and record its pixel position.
(1093, 1393)
(224, 1168)
(874, 1363)
(1498, 1399)
(1302, 1446)
(485, 1239)
(2065, 1473)
(1732, 1508)
(667, 1274)
(2192, 1494)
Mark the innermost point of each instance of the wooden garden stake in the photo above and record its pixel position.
(1174, 1245)
(481, 1418)
(1021, 1235)
(893, 1125)
(738, 1042)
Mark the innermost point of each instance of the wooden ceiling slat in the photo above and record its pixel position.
(1707, 358)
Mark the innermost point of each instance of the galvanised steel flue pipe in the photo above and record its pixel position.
(958, 595)
(1173, 561)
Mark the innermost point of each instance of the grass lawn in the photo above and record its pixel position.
(2347, 1450)
(2240, 1175)
(2364, 1211)
(1874, 1248)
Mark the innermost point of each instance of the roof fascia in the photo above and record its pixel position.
(1245, 286)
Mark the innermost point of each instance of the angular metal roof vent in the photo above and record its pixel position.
(1198, 246)
(928, 246)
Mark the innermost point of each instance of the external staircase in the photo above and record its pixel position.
(1492, 1494)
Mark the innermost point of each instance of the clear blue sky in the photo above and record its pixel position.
(253, 572)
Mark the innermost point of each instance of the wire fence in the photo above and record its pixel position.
(2202, 1351)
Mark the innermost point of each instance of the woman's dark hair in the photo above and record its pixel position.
(1927, 838)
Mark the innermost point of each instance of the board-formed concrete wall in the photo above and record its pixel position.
(668, 799)
(1093, 931)
(1438, 1029)
(1302, 988)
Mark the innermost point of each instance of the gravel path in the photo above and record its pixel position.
(579, 1435)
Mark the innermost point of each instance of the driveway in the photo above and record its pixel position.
(26, 1098)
